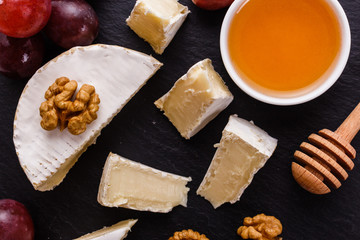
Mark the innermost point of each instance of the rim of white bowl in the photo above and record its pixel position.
(286, 101)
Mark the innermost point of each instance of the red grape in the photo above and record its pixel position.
(23, 18)
(15, 221)
(72, 23)
(212, 4)
(20, 57)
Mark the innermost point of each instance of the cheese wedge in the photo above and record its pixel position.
(243, 149)
(117, 231)
(116, 73)
(128, 184)
(157, 21)
(195, 99)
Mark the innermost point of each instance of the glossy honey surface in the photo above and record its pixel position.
(284, 46)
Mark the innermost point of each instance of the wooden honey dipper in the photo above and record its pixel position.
(327, 156)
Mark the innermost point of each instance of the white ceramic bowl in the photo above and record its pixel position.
(331, 76)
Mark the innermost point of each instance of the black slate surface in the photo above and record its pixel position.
(141, 133)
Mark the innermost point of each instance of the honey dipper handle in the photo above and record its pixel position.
(350, 127)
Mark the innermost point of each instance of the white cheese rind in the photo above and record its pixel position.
(128, 184)
(252, 135)
(116, 73)
(243, 149)
(157, 21)
(195, 99)
(117, 231)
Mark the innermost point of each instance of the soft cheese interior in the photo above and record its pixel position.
(195, 99)
(164, 9)
(47, 156)
(157, 21)
(243, 150)
(116, 232)
(133, 185)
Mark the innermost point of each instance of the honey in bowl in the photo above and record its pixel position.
(284, 47)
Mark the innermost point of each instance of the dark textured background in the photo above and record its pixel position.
(141, 133)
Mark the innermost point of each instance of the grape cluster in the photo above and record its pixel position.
(68, 23)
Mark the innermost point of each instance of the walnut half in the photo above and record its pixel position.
(260, 227)
(58, 109)
(188, 235)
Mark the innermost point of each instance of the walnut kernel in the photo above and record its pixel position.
(58, 109)
(260, 227)
(188, 235)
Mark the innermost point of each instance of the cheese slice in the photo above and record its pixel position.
(128, 184)
(116, 73)
(117, 231)
(157, 21)
(195, 99)
(243, 149)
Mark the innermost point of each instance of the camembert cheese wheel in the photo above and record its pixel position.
(129, 184)
(117, 231)
(116, 73)
(243, 149)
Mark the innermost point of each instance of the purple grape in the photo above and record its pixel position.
(15, 221)
(20, 57)
(72, 23)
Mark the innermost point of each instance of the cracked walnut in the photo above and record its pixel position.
(188, 235)
(260, 227)
(58, 109)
